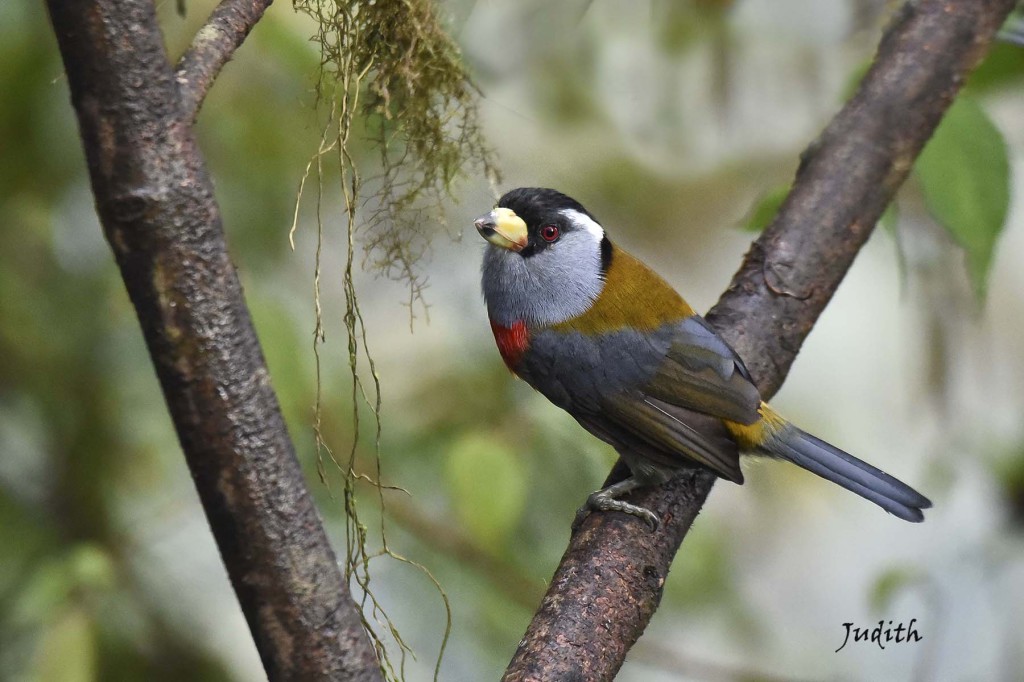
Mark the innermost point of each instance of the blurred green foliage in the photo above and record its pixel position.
(965, 176)
(489, 512)
(963, 172)
(891, 583)
(765, 208)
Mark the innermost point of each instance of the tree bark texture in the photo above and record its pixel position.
(610, 580)
(156, 204)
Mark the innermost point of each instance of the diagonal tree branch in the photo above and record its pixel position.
(155, 202)
(224, 31)
(609, 582)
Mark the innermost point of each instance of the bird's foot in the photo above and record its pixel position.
(604, 500)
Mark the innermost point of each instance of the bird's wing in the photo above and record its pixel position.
(617, 385)
(658, 433)
(701, 372)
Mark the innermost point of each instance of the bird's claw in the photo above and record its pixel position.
(600, 500)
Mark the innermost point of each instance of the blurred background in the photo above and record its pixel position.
(670, 121)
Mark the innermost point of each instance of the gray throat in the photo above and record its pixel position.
(546, 288)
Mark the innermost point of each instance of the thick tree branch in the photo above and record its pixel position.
(212, 47)
(156, 204)
(609, 582)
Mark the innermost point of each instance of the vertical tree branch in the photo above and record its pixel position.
(156, 204)
(609, 582)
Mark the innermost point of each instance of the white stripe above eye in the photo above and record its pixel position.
(584, 221)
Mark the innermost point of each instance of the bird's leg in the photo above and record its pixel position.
(605, 500)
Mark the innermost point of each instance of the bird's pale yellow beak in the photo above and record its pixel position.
(502, 227)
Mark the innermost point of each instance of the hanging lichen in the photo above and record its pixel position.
(418, 107)
(389, 72)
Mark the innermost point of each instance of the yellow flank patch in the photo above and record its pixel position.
(749, 436)
(633, 296)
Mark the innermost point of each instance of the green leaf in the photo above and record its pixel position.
(890, 584)
(67, 650)
(768, 204)
(890, 222)
(1003, 66)
(965, 175)
(91, 568)
(854, 79)
(488, 487)
(891, 219)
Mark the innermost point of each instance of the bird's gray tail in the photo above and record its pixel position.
(829, 462)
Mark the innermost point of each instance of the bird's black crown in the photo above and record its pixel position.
(536, 205)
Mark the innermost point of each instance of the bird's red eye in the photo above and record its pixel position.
(549, 233)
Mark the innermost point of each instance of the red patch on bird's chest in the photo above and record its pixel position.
(512, 341)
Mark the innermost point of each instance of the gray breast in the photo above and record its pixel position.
(574, 371)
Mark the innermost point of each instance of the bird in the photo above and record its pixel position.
(605, 338)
